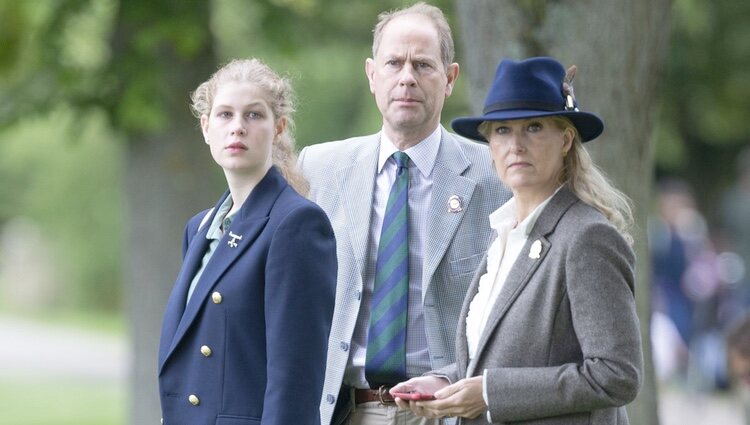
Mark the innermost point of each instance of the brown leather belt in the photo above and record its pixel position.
(367, 395)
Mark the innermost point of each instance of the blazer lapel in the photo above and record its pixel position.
(526, 264)
(443, 222)
(177, 299)
(250, 221)
(356, 183)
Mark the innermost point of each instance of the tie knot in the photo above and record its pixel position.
(402, 159)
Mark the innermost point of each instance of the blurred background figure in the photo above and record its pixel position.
(669, 259)
(688, 291)
(735, 223)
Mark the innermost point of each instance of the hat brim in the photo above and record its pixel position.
(589, 126)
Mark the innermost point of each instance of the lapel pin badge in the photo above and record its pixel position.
(454, 204)
(536, 250)
(233, 242)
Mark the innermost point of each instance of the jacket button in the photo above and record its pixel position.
(344, 346)
(206, 350)
(330, 399)
(194, 400)
(216, 297)
(162, 421)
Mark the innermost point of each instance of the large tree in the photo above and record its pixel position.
(619, 48)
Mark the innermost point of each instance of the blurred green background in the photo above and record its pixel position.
(91, 89)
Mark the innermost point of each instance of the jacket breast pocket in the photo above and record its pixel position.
(236, 420)
(466, 265)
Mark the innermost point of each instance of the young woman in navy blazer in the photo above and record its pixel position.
(246, 326)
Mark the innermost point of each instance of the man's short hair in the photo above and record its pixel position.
(447, 50)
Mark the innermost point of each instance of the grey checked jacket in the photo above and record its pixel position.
(342, 176)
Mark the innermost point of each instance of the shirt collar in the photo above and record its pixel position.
(422, 155)
(506, 215)
(214, 230)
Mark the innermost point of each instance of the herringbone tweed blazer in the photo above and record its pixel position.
(342, 177)
(562, 343)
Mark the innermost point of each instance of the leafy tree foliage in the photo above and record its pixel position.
(706, 98)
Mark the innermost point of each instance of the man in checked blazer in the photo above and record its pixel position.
(452, 190)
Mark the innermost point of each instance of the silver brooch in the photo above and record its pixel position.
(233, 242)
(454, 204)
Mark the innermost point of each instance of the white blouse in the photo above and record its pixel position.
(501, 256)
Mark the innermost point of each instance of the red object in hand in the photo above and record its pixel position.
(414, 396)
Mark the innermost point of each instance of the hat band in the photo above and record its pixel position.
(523, 104)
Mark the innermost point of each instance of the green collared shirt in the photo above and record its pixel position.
(220, 223)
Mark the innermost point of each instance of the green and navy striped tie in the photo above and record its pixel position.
(386, 340)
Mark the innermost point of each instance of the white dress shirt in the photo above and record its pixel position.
(421, 163)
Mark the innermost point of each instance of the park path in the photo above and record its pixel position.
(30, 349)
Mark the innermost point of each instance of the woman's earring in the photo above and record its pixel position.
(565, 153)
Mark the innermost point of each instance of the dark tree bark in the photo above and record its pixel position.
(619, 48)
(169, 172)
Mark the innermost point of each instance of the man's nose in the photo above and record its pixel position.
(407, 76)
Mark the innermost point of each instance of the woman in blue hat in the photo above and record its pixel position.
(549, 332)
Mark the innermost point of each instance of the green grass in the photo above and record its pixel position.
(61, 402)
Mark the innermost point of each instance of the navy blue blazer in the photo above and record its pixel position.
(250, 348)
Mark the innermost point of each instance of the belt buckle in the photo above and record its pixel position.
(383, 389)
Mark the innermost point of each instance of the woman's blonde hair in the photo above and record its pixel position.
(280, 96)
(587, 181)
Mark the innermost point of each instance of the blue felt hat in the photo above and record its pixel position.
(527, 89)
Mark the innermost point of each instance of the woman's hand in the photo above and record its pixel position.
(464, 398)
(420, 384)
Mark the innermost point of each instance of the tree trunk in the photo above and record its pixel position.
(619, 48)
(167, 181)
(170, 176)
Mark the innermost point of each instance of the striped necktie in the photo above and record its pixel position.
(386, 340)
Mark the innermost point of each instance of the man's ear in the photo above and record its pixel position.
(452, 74)
(369, 71)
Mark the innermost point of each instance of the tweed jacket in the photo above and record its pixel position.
(562, 342)
(342, 178)
(260, 311)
